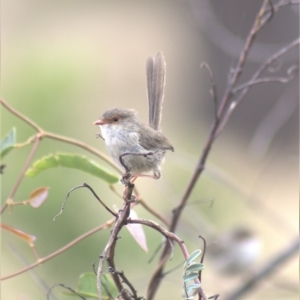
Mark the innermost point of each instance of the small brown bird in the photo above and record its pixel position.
(134, 146)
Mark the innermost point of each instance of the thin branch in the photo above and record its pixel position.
(21, 116)
(58, 137)
(96, 196)
(242, 59)
(108, 252)
(84, 146)
(170, 236)
(126, 281)
(255, 76)
(268, 15)
(251, 83)
(266, 270)
(156, 278)
(154, 212)
(21, 175)
(282, 3)
(167, 234)
(59, 251)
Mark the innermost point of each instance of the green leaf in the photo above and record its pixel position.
(87, 285)
(194, 268)
(190, 276)
(192, 257)
(193, 286)
(8, 142)
(72, 161)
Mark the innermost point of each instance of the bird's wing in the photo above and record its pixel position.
(151, 139)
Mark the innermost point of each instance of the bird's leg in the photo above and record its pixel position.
(127, 177)
(156, 175)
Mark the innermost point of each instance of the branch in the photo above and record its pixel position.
(60, 138)
(266, 270)
(59, 251)
(252, 82)
(96, 196)
(255, 76)
(156, 279)
(126, 281)
(37, 140)
(155, 213)
(109, 250)
(167, 234)
(21, 116)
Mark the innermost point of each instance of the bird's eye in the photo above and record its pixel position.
(115, 119)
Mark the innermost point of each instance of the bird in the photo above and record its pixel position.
(136, 147)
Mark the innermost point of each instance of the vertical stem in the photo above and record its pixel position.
(29, 158)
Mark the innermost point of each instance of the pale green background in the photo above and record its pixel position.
(65, 62)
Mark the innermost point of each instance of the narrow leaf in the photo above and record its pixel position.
(8, 142)
(38, 196)
(190, 276)
(193, 286)
(194, 268)
(22, 235)
(192, 257)
(137, 231)
(72, 161)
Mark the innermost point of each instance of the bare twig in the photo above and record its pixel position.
(108, 252)
(126, 281)
(156, 278)
(84, 146)
(167, 234)
(21, 116)
(255, 76)
(266, 270)
(170, 236)
(96, 196)
(59, 251)
(154, 212)
(37, 140)
(60, 138)
(262, 80)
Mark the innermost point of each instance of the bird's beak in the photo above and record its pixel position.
(99, 122)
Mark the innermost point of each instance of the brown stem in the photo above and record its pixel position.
(156, 278)
(255, 76)
(59, 251)
(21, 116)
(38, 138)
(109, 250)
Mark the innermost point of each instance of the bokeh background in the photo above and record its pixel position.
(65, 62)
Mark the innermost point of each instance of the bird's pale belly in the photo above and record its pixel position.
(125, 147)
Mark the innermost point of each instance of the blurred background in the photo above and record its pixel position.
(65, 62)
